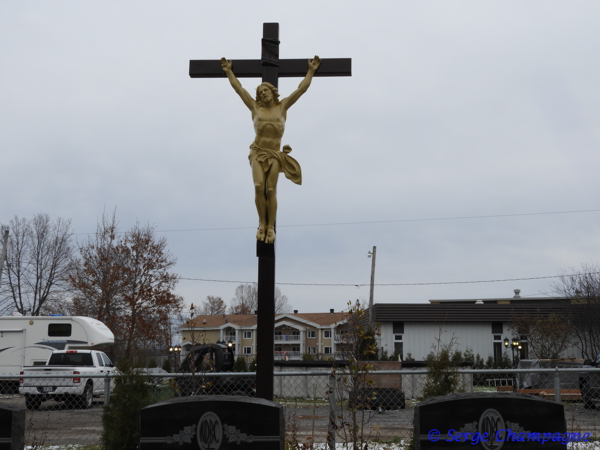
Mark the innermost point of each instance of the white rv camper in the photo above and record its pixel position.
(29, 340)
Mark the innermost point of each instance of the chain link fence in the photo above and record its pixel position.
(67, 409)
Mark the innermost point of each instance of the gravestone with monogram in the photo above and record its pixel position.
(12, 427)
(213, 423)
(511, 421)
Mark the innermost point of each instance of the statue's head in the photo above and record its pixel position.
(264, 92)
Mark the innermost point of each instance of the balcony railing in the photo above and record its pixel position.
(287, 338)
(285, 356)
(342, 337)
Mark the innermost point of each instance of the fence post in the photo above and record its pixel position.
(332, 413)
(280, 382)
(557, 386)
(306, 393)
(106, 391)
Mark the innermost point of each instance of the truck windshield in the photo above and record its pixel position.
(71, 359)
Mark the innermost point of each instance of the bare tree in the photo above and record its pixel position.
(96, 278)
(38, 263)
(354, 381)
(213, 306)
(245, 300)
(548, 336)
(282, 305)
(582, 289)
(148, 286)
(125, 281)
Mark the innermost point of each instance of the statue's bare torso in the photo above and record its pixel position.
(269, 125)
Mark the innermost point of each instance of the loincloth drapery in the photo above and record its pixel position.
(288, 165)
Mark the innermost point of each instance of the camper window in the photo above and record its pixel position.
(59, 329)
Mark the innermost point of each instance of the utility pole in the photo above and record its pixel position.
(4, 249)
(372, 256)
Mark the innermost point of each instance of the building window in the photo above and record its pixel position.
(247, 334)
(327, 334)
(311, 350)
(524, 347)
(295, 333)
(230, 336)
(398, 344)
(296, 349)
(311, 334)
(497, 328)
(327, 350)
(247, 350)
(399, 350)
(497, 340)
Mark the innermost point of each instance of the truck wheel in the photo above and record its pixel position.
(32, 402)
(87, 399)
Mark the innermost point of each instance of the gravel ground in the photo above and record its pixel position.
(56, 424)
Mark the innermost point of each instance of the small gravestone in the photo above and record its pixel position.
(213, 423)
(12, 427)
(511, 421)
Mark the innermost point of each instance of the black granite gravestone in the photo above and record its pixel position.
(12, 427)
(494, 421)
(213, 423)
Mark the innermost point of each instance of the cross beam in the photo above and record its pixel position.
(253, 68)
(269, 68)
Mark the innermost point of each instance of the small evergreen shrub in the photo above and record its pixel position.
(121, 418)
(240, 364)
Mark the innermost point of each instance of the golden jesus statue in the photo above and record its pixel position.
(266, 158)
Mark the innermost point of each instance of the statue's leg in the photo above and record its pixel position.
(258, 176)
(272, 177)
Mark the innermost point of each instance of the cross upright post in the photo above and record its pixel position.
(269, 68)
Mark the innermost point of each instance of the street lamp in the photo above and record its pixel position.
(514, 343)
(174, 350)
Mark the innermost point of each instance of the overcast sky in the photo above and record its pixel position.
(455, 110)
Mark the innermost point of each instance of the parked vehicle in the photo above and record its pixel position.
(589, 384)
(210, 358)
(79, 389)
(29, 341)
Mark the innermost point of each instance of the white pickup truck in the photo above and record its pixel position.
(71, 384)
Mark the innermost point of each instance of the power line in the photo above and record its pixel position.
(374, 222)
(385, 284)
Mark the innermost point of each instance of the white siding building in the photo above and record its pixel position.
(481, 326)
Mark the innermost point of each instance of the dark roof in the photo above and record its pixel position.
(469, 312)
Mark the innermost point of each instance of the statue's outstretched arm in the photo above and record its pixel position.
(313, 65)
(237, 86)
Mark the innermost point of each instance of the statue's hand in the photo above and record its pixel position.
(313, 64)
(225, 64)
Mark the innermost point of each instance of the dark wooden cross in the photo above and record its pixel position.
(269, 68)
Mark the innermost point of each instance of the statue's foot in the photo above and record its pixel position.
(260, 234)
(270, 236)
